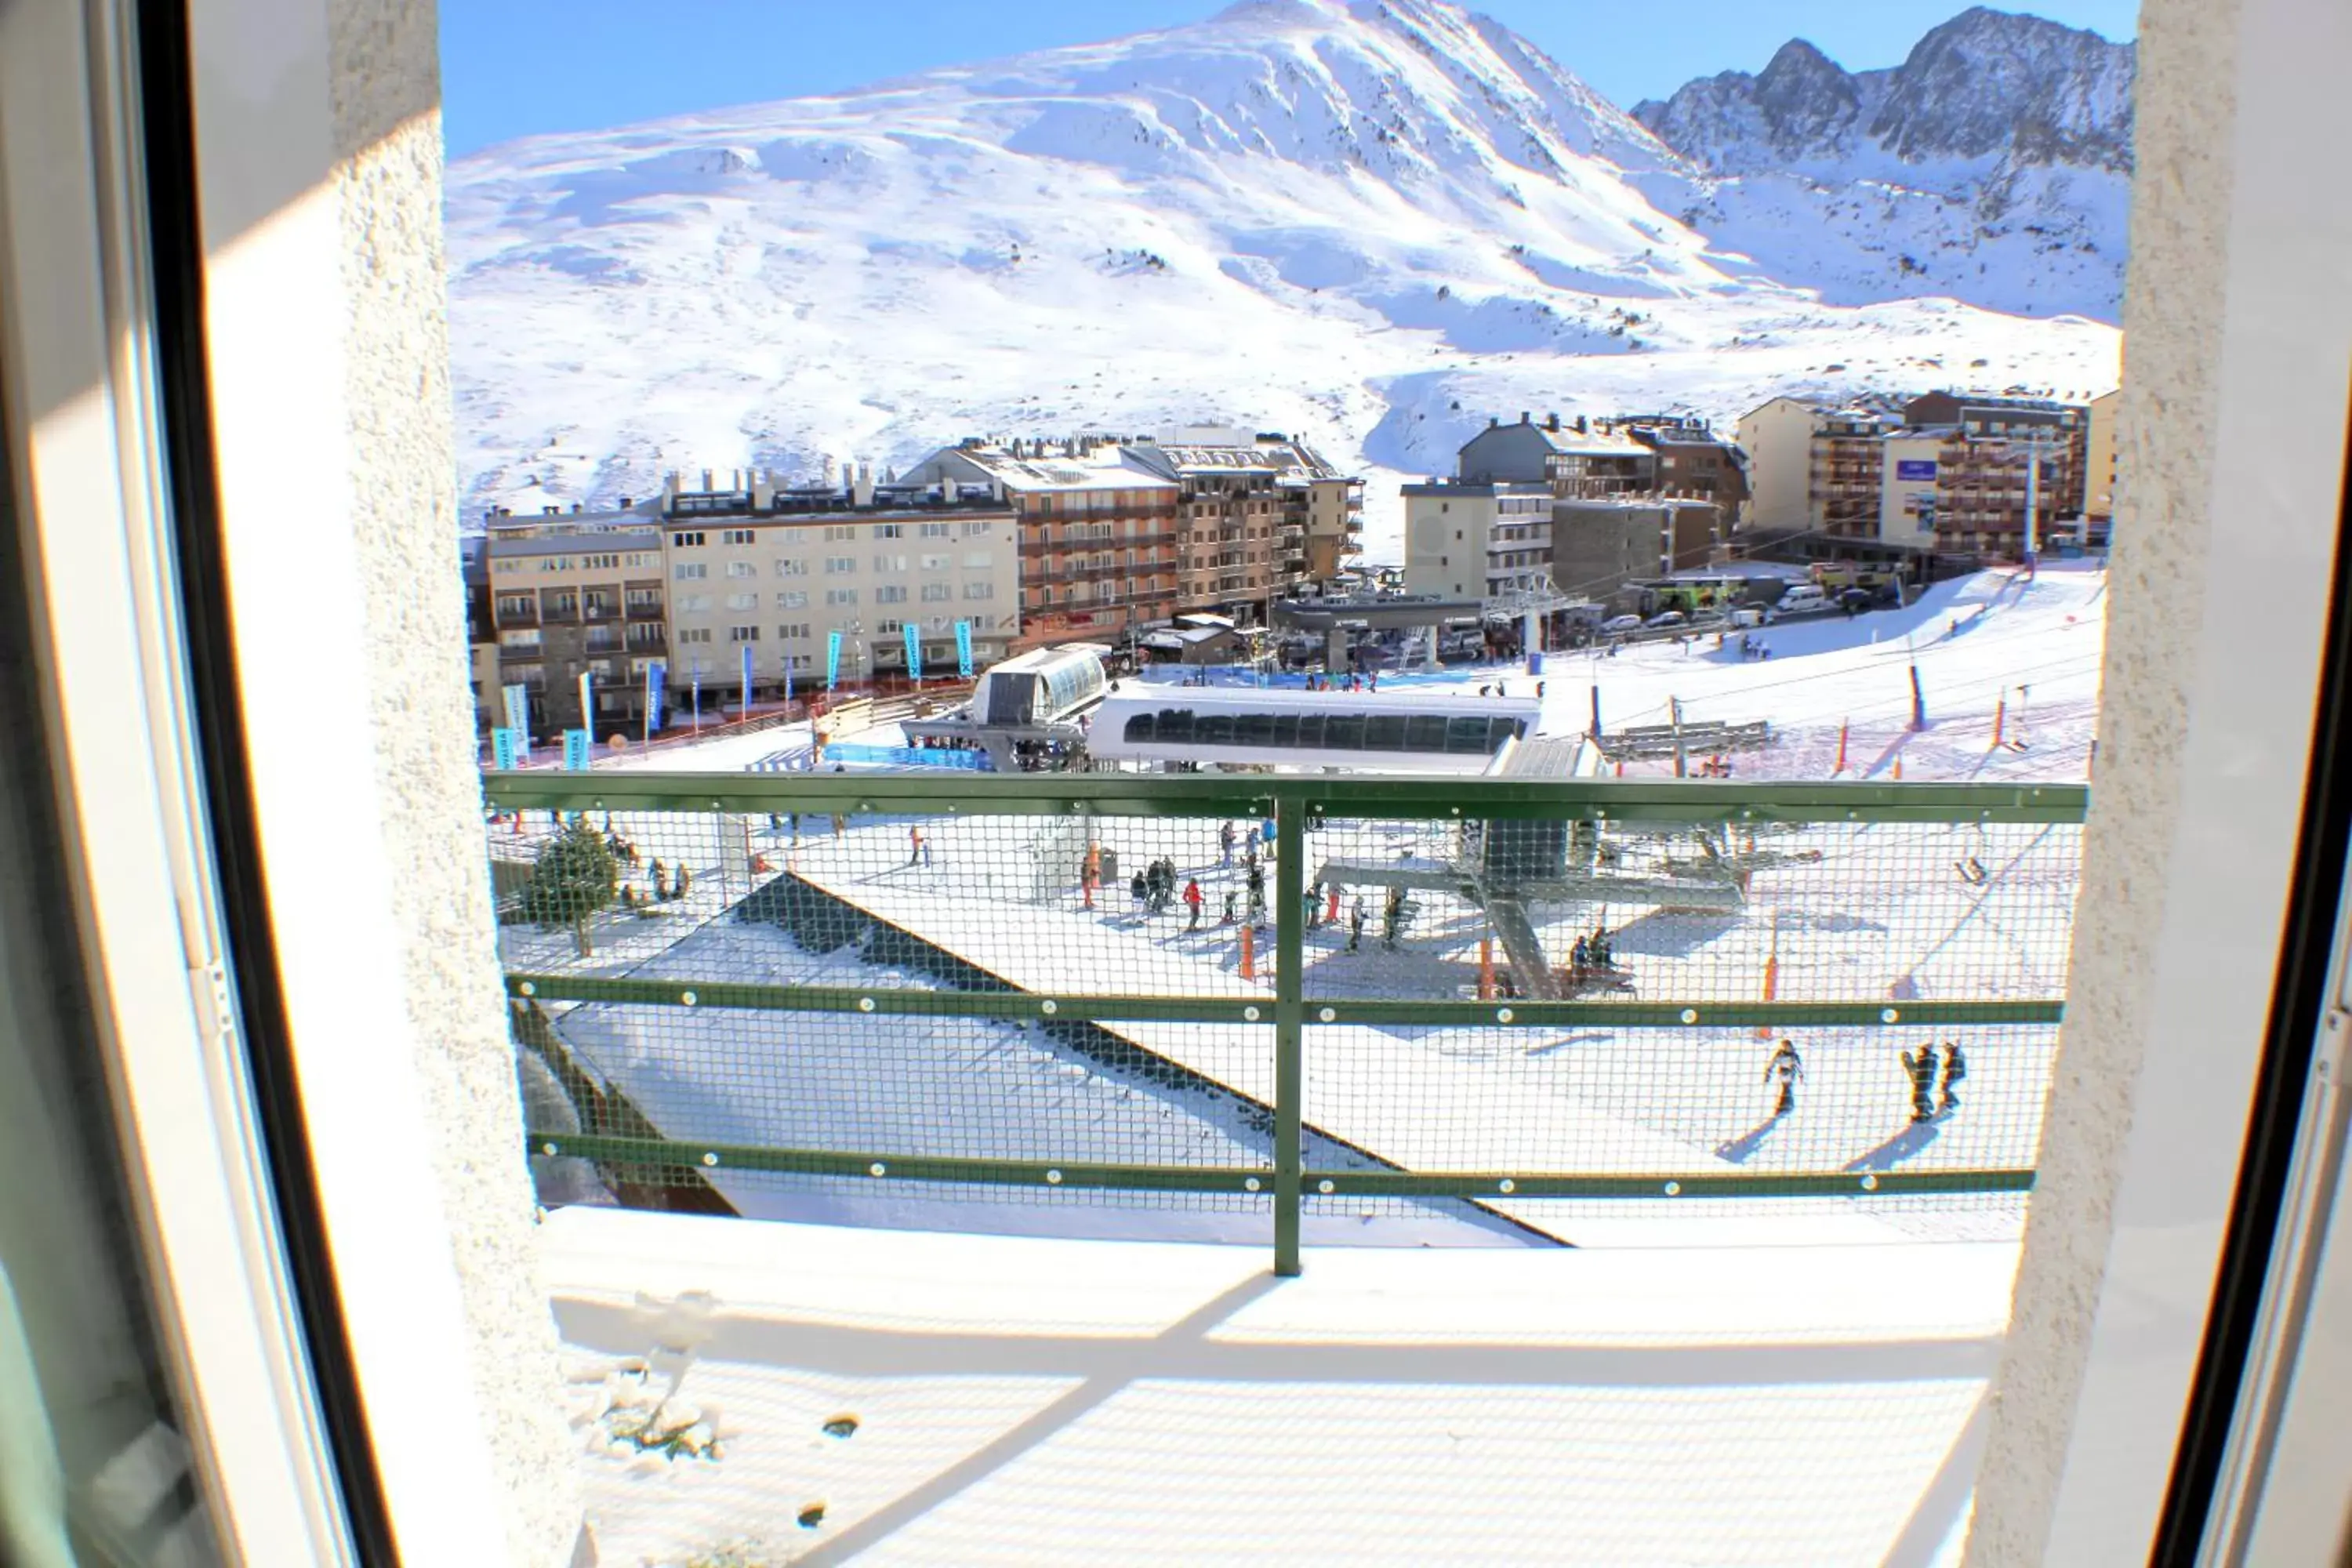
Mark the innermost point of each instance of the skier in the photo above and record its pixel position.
(1225, 844)
(918, 852)
(1921, 1069)
(1313, 903)
(1192, 902)
(661, 881)
(685, 881)
(1788, 1069)
(1581, 953)
(1136, 891)
(1956, 1068)
(1231, 898)
(1257, 882)
(1393, 918)
(1356, 924)
(1331, 906)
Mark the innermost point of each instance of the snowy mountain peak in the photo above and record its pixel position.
(1371, 222)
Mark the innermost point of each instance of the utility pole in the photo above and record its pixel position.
(1674, 706)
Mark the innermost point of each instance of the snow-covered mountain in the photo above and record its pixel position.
(1993, 164)
(1370, 222)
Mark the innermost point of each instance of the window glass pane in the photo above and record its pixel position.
(1215, 729)
(1176, 725)
(1426, 733)
(1466, 734)
(1384, 732)
(1344, 732)
(1253, 729)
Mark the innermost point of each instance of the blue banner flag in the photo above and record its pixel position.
(914, 651)
(747, 680)
(657, 693)
(588, 701)
(832, 660)
(502, 747)
(788, 680)
(519, 710)
(963, 649)
(577, 744)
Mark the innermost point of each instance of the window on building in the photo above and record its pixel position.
(840, 534)
(688, 571)
(934, 592)
(694, 634)
(686, 540)
(741, 569)
(693, 603)
(789, 568)
(935, 563)
(517, 605)
(507, 566)
(555, 563)
(976, 530)
(889, 563)
(742, 634)
(735, 536)
(840, 566)
(742, 600)
(935, 531)
(978, 560)
(841, 595)
(600, 563)
(980, 590)
(890, 531)
(793, 599)
(888, 628)
(890, 594)
(793, 631)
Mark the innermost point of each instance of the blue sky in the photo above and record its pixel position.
(519, 68)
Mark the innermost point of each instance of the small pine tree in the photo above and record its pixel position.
(573, 881)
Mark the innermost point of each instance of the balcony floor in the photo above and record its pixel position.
(1035, 1401)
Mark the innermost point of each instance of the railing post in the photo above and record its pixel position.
(1289, 1022)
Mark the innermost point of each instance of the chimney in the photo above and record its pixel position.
(624, 503)
(575, 509)
(1551, 422)
(861, 489)
(1494, 421)
(764, 488)
(1583, 424)
(1524, 419)
(706, 481)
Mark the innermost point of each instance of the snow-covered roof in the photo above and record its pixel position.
(1053, 468)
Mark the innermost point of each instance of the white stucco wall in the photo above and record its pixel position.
(319, 165)
(2229, 434)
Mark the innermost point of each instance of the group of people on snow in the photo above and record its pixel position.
(1934, 1078)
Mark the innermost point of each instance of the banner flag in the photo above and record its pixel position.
(963, 649)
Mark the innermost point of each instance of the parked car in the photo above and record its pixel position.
(1664, 618)
(1616, 623)
(1749, 615)
(1803, 597)
(1854, 601)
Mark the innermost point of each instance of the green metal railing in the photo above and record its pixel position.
(1893, 916)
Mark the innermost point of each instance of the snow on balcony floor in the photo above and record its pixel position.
(1037, 1401)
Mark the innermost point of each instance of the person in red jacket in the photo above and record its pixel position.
(1192, 902)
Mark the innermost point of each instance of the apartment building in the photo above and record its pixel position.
(1260, 515)
(759, 566)
(570, 593)
(2099, 458)
(1778, 438)
(1846, 475)
(1602, 542)
(1470, 540)
(1097, 535)
(481, 630)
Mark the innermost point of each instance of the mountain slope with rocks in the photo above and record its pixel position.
(1994, 165)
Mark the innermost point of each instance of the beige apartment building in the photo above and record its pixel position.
(1465, 540)
(759, 567)
(2099, 459)
(570, 593)
(1778, 437)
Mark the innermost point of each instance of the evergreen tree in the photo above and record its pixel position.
(573, 881)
